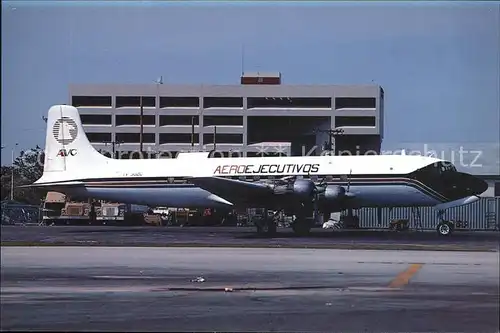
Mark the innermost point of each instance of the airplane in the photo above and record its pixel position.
(302, 186)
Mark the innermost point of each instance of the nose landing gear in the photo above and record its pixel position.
(444, 228)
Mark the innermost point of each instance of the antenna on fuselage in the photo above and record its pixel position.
(215, 137)
(349, 180)
(320, 186)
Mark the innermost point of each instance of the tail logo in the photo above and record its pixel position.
(65, 130)
(67, 152)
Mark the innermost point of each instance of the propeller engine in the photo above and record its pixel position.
(304, 189)
(303, 196)
(301, 190)
(333, 193)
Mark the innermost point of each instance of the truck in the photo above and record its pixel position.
(110, 211)
(58, 209)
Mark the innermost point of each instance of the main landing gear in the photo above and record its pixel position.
(267, 226)
(302, 224)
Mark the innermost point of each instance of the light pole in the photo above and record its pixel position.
(192, 133)
(157, 108)
(12, 175)
(113, 146)
(141, 125)
(141, 120)
(215, 138)
(332, 133)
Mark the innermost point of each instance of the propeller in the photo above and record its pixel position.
(318, 189)
(349, 181)
(288, 178)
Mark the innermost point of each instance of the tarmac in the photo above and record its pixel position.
(218, 289)
(246, 237)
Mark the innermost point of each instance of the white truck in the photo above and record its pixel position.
(110, 211)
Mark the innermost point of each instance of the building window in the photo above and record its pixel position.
(223, 102)
(135, 137)
(223, 120)
(223, 138)
(134, 101)
(355, 103)
(178, 120)
(95, 119)
(98, 137)
(289, 102)
(183, 138)
(179, 102)
(135, 120)
(91, 101)
(354, 121)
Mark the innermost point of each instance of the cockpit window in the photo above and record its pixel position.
(447, 167)
(432, 172)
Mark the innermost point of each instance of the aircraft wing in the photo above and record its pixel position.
(233, 189)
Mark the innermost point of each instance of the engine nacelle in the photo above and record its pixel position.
(303, 188)
(332, 197)
(333, 193)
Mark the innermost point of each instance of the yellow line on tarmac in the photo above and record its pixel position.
(404, 277)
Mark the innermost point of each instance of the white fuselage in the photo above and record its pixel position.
(186, 196)
(163, 181)
(73, 166)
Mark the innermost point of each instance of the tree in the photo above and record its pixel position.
(6, 181)
(30, 164)
(28, 167)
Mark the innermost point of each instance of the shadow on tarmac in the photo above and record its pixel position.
(389, 235)
(283, 233)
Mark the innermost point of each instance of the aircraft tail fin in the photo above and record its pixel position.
(67, 148)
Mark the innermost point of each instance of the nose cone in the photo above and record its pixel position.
(476, 185)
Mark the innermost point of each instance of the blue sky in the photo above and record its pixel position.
(438, 63)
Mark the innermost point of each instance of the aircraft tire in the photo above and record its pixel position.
(266, 228)
(444, 228)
